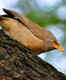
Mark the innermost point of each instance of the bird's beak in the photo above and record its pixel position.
(57, 46)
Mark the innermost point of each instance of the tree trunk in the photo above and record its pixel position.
(18, 63)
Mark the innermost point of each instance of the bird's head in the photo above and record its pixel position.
(51, 42)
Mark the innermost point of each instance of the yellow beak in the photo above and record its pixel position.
(58, 47)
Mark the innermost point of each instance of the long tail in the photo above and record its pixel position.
(11, 13)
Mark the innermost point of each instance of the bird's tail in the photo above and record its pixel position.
(11, 13)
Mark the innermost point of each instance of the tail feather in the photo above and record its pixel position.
(9, 12)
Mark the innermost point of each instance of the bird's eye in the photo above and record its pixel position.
(52, 40)
(48, 39)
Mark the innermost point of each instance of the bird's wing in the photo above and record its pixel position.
(34, 28)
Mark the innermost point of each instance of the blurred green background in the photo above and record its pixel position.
(50, 14)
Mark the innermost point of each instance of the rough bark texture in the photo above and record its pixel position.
(18, 63)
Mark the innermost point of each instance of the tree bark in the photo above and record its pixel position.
(18, 63)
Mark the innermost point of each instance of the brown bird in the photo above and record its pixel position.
(28, 33)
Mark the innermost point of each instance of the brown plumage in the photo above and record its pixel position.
(28, 33)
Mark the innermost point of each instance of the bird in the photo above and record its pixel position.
(28, 33)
